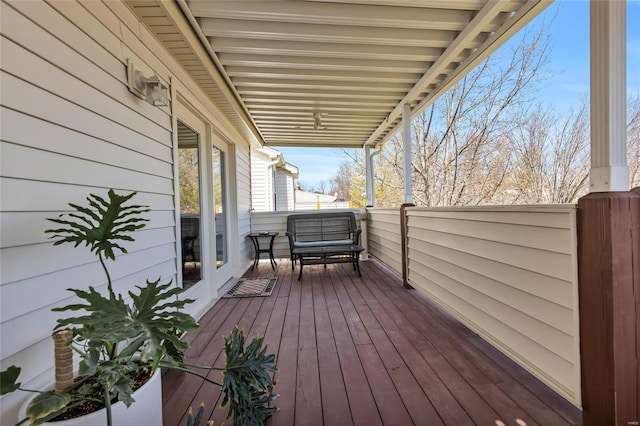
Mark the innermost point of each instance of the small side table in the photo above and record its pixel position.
(255, 238)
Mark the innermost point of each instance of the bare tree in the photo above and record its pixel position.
(321, 188)
(550, 157)
(460, 143)
(489, 140)
(341, 182)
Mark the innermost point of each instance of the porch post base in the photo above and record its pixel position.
(609, 296)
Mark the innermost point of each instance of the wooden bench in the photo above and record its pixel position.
(321, 238)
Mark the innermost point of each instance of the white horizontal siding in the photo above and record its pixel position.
(243, 181)
(69, 127)
(49, 198)
(272, 221)
(27, 227)
(261, 183)
(510, 275)
(284, 190)
(383, 236)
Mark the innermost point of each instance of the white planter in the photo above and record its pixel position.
(146, 410)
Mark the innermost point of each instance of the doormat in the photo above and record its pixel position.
(252, 287)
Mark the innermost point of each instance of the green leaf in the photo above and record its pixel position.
(123, 390)
(248, 385)
(8, 379)
(102, 226)
(47, 405)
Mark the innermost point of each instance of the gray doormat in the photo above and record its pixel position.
(252, 287)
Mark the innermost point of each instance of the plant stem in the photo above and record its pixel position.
(107, 405)
(113, 350)
(106, 271)
(185, 370)
(201, 367)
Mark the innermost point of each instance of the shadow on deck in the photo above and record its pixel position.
(365, 351)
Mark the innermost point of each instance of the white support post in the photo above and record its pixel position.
(609, 169)
(406, 138)
(369, 175)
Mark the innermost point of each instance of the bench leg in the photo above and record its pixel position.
(301, 264)
(356, 264)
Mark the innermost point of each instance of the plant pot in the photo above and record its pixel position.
(146, 410)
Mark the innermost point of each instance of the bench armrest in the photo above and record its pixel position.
(356, 236)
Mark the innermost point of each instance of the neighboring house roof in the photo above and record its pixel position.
(308, 197)
(278, 159)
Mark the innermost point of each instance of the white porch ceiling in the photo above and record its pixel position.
(337, 73)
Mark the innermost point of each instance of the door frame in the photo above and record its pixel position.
(207, 291)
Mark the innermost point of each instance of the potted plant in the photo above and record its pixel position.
(120, 342)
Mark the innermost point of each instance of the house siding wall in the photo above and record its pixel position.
(243, 180)
(261, 182)
(510, 274)
(284, 190)
(70, 127)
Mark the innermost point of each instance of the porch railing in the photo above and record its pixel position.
(508, 273)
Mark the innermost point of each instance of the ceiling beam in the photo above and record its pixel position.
(213, 27)
(301, 12)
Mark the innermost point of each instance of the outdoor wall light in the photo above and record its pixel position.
(151, 89)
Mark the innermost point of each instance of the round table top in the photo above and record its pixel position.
(264, 234)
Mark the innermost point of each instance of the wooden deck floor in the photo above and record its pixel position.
(365, 351)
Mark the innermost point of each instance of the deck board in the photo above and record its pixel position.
(364, 351)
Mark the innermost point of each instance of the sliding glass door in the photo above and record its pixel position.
(202, 196)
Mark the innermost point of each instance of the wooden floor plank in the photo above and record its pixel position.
(213, 394)
(389, 402)
(287, 361)
(415, 400)
(364, 351)
(308, 409)
(475, 407)
(183, 395)
(394, 324)
(363, 407)
(335, 404)
(475, 366)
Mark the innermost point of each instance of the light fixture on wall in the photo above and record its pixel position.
(151, 89)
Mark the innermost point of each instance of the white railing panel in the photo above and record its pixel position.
(509, 274)
(384, 236)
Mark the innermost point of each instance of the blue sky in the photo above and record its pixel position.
(569, 64)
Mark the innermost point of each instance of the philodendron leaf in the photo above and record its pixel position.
(102, 225)
(8, 379)
(155, 316)
(248, 386)
(47, 405)
(152, 318)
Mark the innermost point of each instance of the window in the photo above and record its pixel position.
(190, 205)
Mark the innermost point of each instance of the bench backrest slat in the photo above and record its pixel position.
(322, 226)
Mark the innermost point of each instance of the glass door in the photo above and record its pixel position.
(189, 184)
(203, 196)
